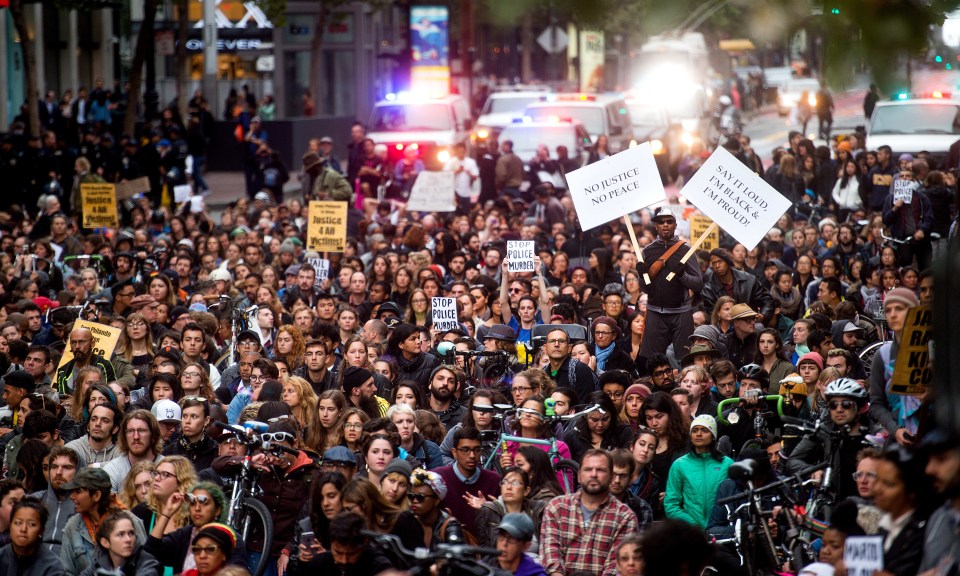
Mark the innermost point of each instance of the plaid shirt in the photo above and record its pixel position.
(569, 546)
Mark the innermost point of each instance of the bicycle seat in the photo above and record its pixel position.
(742, 470)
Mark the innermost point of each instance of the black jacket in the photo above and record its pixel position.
(172, 549)
(746, 290)
(906, 551)
(418, 369)
(200, 454)
(576, 375)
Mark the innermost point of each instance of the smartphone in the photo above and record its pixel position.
(308, 540)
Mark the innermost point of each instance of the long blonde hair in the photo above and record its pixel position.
(306, 410)
(128, 492)
(186, 477)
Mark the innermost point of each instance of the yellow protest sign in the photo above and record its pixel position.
(99, 205)
(699, 225)
(104, 340)
(913, 371)
(327, 226)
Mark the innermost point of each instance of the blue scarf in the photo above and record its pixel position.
(602, 355)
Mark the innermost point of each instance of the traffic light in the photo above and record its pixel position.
(938, 59)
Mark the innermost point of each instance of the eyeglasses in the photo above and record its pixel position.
(515, 290)
(558, 341)
(512, 483)
(277, 437)
(162, 474)
(466, 451)
(520, 389)
(257, 377)
(418, 301)
(844, 404)
(616, 394)
(191, 374)
(613, 302)
(602, 333)
(137, 324)
(353, 426)
(202, 499)
(858, 476)
(205, 550)
(414, 497)
(137, 431)
(664, 372)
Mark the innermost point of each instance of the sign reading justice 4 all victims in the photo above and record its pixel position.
(734, 197)
(615, 186)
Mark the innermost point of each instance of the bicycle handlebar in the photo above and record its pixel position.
(789, 480)
(443, 551)
(775, 398)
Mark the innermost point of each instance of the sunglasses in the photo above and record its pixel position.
(193, 499)
(414, 497)
(845, 404)
(195, 398)
(277, 437)
(206, 550)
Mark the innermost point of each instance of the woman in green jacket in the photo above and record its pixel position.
(694, 478)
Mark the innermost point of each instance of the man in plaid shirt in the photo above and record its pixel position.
(580, 532)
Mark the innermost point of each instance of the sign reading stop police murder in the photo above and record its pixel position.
(104, 340)
(444, 314)
(432, 192)
(735, 198)
(913, 371)
(99, 203)
(520, 256)
(903, 190)
(327, 226)
(615, 186)
(699, 225)
(863, 555)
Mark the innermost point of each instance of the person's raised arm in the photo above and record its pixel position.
(505, 313)
(544, 297)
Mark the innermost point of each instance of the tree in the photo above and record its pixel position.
(30, 65)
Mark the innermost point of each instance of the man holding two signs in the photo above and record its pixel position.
(669, 317)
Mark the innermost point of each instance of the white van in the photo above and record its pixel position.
(432, 125)
(604, 114)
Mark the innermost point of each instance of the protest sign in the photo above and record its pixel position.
(104, 340)
(181, 193)
(913, 370)
(698, 228)
(432, 192)
(735, 198)
(444, 314)
(520, 255)
(321, 266)
(615, 186)
(99, 203)
(863, 555)
(327, 226)
(130, 188)
(903, 190)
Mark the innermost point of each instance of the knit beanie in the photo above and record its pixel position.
(707, 421)
(607, 321)
(814, 357)
(353, 377)
(904, 296)
(639, 389)
(222, 534)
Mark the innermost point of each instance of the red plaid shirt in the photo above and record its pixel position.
(569, 545)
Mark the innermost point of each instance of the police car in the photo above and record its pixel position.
(500, 109)
(909, 124)
(600, 114)
(431, 125)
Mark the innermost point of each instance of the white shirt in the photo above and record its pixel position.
(463, 181)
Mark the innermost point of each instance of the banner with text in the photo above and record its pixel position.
(444, 314)
(699, 225)
(105, 339)
(913, 371)
(903, 190)
(327, 226)
(520, 255)
(321, 266)
(99, 204)
(617, 185)
(863, 555)
(432, 192)
(735, 198)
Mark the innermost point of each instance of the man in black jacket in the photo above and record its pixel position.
(669, 318)
(743, 287)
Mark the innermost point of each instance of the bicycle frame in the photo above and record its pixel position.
(774, 398)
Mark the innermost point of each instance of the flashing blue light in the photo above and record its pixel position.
(938, 59)
(902, 96)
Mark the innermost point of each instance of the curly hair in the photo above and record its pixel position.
(128, 491)
(294, 358)
(205, 390)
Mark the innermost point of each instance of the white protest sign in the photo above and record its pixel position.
(322, 268)
(615, 186)
(432, 192)
(444, 314)
(520, 256)
(182, 193)
(863, 555)
(735, 198)
(903, 190)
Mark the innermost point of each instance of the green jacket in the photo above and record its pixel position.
(692, 487)
(333, 185)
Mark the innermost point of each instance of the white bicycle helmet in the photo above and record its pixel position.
(846, 387)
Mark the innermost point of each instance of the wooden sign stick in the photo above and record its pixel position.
(693, 248)
(636, 244)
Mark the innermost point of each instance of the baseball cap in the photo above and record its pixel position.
(89, 478)
(662, 212)
(166, 411)
(518, 525)
(340, 454)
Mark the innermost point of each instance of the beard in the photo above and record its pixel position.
(442, 394)
(598, 490)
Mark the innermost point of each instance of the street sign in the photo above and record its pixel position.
(546, 40)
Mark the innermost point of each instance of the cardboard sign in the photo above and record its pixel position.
(736, 198)
(903, 190)
(615, 186)
(99, 203)
(699, 225)
(130, 188)
(104, 340)
(321, 266)
(863, 555)
(520, 255)
(327, 226)
(913, 370)
(444, 314)
(432, 192)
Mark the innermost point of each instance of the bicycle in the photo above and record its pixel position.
(240, 319)
(245, 512)
(566, 469)
(870, 350)
(445, 560)
(759, 417)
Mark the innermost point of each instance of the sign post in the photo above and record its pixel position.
(912, 372)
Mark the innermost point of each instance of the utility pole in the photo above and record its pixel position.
(210, 55)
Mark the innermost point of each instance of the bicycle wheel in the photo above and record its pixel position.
(866, 357)
(254, 518)
(567, 471)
